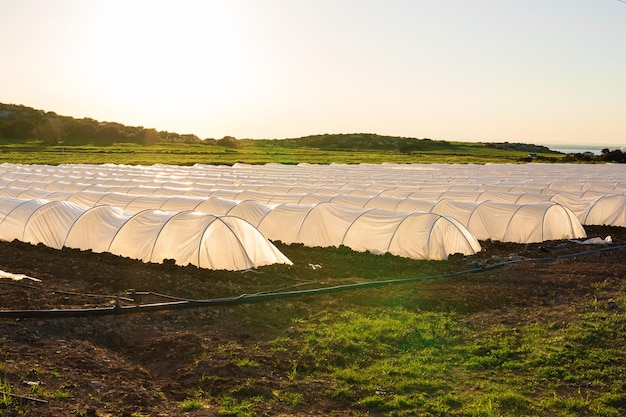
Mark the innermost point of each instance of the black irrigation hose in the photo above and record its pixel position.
(118, 309)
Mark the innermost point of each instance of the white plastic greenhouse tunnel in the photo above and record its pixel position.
(412, 234)
(485, 220)
(194, 238)
(444, 208)
(408, 234)
(519, 223)
(577, 187)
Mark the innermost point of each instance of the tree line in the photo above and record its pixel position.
(606, 155)
(22, 123)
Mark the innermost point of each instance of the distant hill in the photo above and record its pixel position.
(19, 123)
(393, 143)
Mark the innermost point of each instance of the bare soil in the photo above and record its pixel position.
(148, 363)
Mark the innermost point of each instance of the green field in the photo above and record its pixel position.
(253, 152)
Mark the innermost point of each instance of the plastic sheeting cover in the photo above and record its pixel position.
(194, 238)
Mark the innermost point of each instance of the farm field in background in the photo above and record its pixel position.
(251, 152)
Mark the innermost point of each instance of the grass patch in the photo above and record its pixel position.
(5, 393)
(247, 407)
(393, 360)
(191, 404)
(291, 398)
(246, 363)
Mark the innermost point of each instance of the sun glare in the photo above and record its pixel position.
(155, 54)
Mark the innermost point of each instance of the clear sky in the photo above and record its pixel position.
(535, 71)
